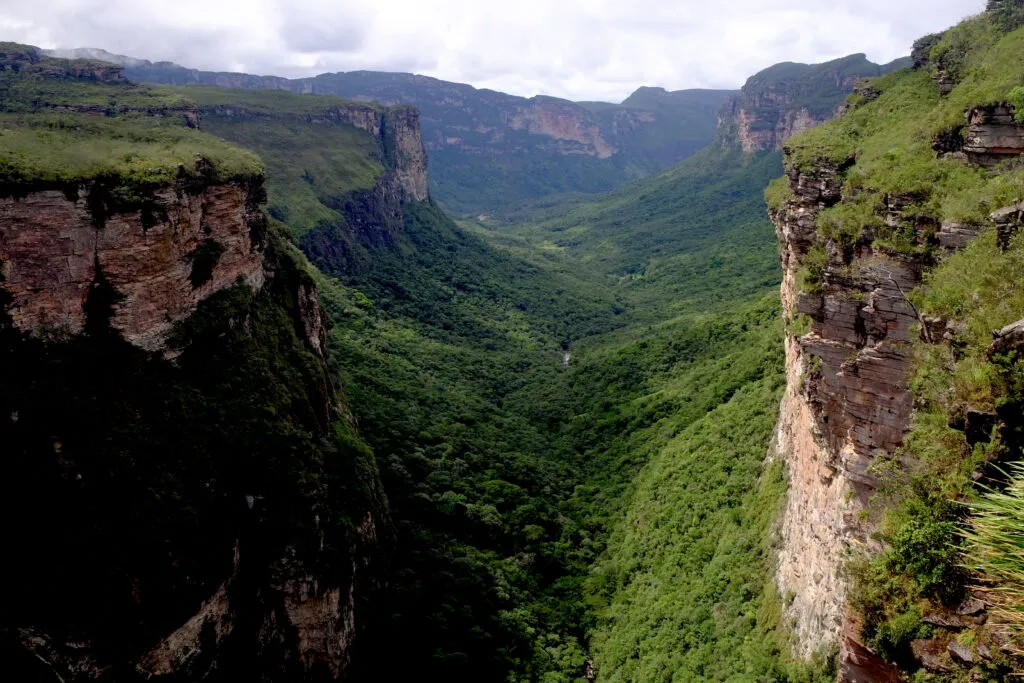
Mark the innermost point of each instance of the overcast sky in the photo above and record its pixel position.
(579, 49)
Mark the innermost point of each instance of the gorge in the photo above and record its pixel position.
(269, 413)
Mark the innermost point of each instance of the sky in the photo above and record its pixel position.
(577, 49)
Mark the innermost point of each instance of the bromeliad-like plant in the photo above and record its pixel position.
(995, 552)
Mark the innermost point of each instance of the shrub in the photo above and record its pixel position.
(1009, 16)
(1016, 98)
(811, 274)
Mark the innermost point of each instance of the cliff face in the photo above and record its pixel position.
(482, 140)
(195, 504)
(395, 130)
(359, 196)
(790, 98)
(846, 403)
(859, 225)
(162, 260)
(763, 121)
(275, 604)
(403, 141)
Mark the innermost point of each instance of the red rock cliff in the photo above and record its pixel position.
(161, 259)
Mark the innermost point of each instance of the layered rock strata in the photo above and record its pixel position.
(789, 98)
(161, 259)
(846, 404)
(993, 135)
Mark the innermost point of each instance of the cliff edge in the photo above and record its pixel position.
(871, 207)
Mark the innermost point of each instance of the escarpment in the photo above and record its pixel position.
(864, 221)
(787, 99)
(846, 401)
(194, 502)
(395, 130)
(176, 246)
(351, 202)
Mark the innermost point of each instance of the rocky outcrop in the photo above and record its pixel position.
(789, 98)
(1008, 221)
(766, 120)
(161, 259)
(403, 142)
(27, 59)
(993, 135)
(562, 120)
(921, 52)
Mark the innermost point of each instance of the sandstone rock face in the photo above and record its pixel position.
(404, 143)
(309, 618)
(1008, 221)
(993, 135)
(858, 664)
(846, 404)
(564, 121)
(787, 99)
(25, 58)
(53, 251)
(761, 132)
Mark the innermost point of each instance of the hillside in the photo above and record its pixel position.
(503, 460)
(898, 225)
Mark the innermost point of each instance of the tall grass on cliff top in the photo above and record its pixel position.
(995, 551)
(891, 138)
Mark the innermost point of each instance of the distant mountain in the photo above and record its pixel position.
(788, 98)
(489, 148)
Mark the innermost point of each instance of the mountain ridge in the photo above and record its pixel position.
(483, 139)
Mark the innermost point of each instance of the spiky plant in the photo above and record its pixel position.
(995, 552)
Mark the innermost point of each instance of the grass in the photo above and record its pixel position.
(62, 130)
(276, 102)
(63, 148)
(891, 137)
(310, 167)
(995, 551)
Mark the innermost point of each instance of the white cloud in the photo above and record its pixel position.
(580, 49)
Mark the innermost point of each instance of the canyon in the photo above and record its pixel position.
(337, 424)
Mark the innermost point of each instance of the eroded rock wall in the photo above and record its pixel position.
(403, 141)
(764, 122)
(161, 259)
(846, 404)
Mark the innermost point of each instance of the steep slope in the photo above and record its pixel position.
(489, 148)
(894, 407)
(511, 401)
(339, 172)
(193, 502)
